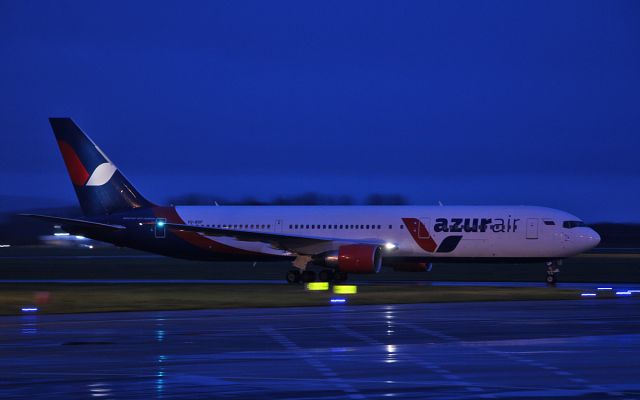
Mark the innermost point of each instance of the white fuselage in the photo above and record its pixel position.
(485, 231)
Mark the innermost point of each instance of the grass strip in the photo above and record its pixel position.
(77, 298)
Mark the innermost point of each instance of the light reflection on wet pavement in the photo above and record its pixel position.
(573, 349)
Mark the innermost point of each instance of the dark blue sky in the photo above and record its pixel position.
(464, 102)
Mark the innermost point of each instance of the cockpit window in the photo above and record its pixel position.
(572, 224)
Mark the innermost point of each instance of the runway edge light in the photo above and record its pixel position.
(316, 286)
(345, 289)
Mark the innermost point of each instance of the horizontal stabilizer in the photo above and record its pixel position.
(76, 223)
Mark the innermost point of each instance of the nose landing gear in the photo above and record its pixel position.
(552, 272)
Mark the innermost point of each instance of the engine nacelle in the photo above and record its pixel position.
(410, 267)
(353, 259)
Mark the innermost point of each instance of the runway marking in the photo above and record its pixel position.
(510, 356)
(446, 374)
(312, 361)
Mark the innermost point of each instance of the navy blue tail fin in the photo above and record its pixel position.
(99, 185)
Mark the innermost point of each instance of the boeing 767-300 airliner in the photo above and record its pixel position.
(338, 240)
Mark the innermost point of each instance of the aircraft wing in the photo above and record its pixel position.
(293, 243)
(76, 223)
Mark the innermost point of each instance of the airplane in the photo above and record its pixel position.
(338, 240)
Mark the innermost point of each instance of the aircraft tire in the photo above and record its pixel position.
(339, 277)
(326, 275)
(293, 276)
(308, 276)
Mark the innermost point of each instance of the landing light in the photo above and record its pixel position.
(390, 246)
(160, 224)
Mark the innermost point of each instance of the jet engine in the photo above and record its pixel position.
(353, 258)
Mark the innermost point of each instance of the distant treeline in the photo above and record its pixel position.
(618, 235)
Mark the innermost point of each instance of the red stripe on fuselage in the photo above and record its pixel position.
(196, 239)
(420, 234)
(77, 171)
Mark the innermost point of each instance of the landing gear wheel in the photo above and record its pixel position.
(552, 271)
(326, 275)
(339, 276)
(308, 276)
(293, 276)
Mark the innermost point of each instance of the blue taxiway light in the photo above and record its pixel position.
(623, 293)
(605, 288)
(338, 301)
(160, 224)
(588, 295)
(29, 309)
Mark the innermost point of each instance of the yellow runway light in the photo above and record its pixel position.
(313, 286)
(345, 289)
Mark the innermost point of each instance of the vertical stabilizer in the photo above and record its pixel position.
(100, 186)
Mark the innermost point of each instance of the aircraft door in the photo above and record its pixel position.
(278, 226)
(423, 229)
(532, 228)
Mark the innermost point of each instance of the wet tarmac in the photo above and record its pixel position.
(561, 349)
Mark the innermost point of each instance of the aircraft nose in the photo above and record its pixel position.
(595, 238)
(590, 238)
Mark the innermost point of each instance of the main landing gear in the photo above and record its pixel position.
(297, 276)
(293, 276)
(552, 271)
(326, 275)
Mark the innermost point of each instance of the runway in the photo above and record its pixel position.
(560, 349)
